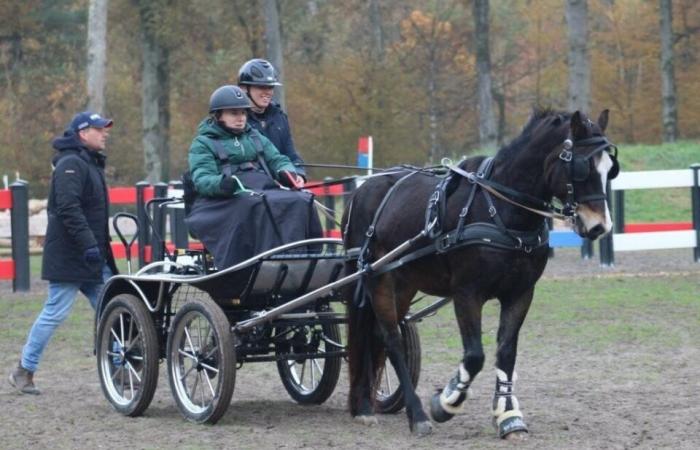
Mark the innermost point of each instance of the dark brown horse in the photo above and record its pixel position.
(498, 250)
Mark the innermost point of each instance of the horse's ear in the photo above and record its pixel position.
(603, 120)
(578, 128)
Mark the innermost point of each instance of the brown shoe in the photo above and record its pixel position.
(23, 380)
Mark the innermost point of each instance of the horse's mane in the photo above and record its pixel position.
(537, 131)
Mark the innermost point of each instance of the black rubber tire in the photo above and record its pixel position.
(141, 357)
(218, 361)
(317, 394)
(393, 402)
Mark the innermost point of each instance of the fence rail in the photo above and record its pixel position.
(665, 236)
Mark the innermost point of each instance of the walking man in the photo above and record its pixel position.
(77, 255)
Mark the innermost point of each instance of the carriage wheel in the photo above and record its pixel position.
(127, 355)
(201, 361)
(389, 397)
(310, 380)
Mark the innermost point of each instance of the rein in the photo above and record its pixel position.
(551, 212)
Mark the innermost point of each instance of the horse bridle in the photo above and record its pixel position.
(578, 168)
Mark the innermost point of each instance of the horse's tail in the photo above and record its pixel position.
(365, 352)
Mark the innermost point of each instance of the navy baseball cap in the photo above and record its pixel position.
(87, 119)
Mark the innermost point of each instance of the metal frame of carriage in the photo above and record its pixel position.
(206, 324)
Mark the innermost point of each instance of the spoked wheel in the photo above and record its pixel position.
(310, 380)
(127, 355)
(201, 361)
(389, 396)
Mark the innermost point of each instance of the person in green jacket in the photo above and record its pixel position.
(248, 192)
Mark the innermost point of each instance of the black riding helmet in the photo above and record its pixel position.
(228, 97)
(258, 72)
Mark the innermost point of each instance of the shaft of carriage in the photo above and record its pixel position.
(309, 297)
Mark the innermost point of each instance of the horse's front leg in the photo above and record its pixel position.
(507, 416)
(450, 401)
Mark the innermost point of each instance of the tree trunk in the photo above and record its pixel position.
(273, 42)
(97, 54)
(154, 104)
(669, 114)
(579, 63)
(376, 31)
(487, 124)
(433, 118)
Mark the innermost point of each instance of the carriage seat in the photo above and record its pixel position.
(295, 277)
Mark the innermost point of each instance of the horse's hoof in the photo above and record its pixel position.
(421, 429)
(516, 436)
(513, 429)
(437, 412)
(369, 421)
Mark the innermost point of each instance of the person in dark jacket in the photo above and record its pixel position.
(77, 254)
(242, 209)
(258, 78)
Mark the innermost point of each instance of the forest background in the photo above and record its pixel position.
(404, 72)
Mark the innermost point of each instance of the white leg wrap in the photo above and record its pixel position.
(504, 392)
(456, 391)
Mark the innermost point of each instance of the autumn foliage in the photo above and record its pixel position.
(416, 94)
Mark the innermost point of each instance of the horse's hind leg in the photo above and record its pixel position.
(507, 416)
(450, 401)
(390, 304)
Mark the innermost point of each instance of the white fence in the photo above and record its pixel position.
(653, 179)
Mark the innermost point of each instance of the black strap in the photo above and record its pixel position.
(222, 154)
(255, 137)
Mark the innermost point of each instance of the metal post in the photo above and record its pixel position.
(619, 211)
(144, 231)
(695, 198)
(607, 253)
(19, 228)
(178, 229)
(160, 190)
(328, 202)
(586, 249)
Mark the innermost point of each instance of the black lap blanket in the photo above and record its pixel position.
(238, 228)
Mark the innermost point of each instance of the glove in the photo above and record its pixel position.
(92, 255)
(291, 179)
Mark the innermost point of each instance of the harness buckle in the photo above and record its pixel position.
(370, 231)
(566, 155)
(569, 188)
(492, 211)
(442, 243)
(463, 213)
(434, 197)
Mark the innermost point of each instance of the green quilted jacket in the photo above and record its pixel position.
(205, 166)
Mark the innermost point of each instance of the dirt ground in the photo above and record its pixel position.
(622, 395)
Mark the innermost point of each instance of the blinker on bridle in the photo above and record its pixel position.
(579, 169)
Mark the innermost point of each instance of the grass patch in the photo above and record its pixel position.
(658, 205)
(589, 314)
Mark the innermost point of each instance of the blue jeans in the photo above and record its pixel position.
(61, 298)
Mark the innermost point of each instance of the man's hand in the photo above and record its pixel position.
(291, 179)
(92, 256)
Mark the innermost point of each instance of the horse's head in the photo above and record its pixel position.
(577, 173)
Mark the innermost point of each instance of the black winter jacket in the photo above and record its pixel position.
(78, 211)
(274, 125)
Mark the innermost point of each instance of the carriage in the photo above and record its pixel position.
(466, 232)
(278, 306)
